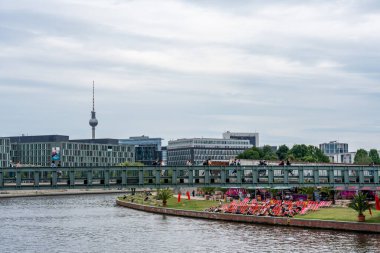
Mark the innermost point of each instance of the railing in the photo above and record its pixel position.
(342, 177)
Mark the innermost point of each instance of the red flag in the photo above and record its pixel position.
(179, 197)
(188, 195)
(377, 202)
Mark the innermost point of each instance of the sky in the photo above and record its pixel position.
(294, 71)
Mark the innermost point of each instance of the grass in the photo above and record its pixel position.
(193, 205)
(340, 214)
(331, 213)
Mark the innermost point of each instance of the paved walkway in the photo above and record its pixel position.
(36, 193)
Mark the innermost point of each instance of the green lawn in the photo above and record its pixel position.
(340, 214)
(194, 205)
(331, 213)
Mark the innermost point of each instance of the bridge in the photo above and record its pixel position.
(251, 177)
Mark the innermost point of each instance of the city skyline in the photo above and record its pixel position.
(294, 72)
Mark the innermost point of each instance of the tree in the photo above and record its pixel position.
(360, 204)
(362, 157)
(164, 195)
(299, 151)
(282, 152)
(307, 154)
(374, 155)
(268, 153)
(252, 153)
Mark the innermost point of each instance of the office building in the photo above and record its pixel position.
(252, 137)
(333, 147)
(197, 150)
(45, 149)
(147, 150)
(5, 147)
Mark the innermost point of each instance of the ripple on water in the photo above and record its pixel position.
(93, 223)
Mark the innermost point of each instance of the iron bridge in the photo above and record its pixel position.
(251, 177)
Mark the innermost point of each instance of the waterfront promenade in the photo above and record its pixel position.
(40, 193)
(268, 220)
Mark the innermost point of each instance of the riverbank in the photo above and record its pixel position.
(57, 192)
(282, 221)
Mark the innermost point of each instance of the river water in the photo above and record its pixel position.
(92, 223)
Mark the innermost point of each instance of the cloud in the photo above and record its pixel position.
(295, 71)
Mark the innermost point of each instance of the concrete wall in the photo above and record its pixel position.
(351, 226)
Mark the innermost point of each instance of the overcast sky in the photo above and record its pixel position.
(294, 71)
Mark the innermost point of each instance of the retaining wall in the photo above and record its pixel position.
(322, 224)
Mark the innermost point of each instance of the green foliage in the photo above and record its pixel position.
(362, 157)
(307, 190)
(374, 155)
(164, 195)
(210, 190)
(282, 152)
(255, 153)
(360, 203)
(296, 153)
(299, 151)
(307, 154)
(131, 164)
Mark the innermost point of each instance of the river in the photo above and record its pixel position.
(92, 223)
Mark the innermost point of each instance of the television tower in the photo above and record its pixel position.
(93, 121)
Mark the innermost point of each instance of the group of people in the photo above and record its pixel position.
(282, 163)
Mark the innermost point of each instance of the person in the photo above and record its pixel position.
(53, 164)
(205, 163)
(282, 163)
(288, 163)
(193, 193)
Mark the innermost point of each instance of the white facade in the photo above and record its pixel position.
(197, 150)
(252, 137)
(342, 157)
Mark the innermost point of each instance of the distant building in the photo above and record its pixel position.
(252, 137)
(342, 157)
(44, 149)
(337, 152)
(5, 147)
(197, 150)
(147, 150)
(334, 147)
(164, 155)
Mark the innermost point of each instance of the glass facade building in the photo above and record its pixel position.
(252, 137)
(333, 147)
(147, 150)
(5, 147)
(197, 150)
(43, 150)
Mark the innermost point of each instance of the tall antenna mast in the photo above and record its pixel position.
(93, 95)
(93, 121)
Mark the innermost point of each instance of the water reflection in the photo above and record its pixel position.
(95, 224)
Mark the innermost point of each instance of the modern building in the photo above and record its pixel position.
(337, 152)
(197, 150)
(342, 157)
(5, 147)
(147, 150)
(45, 149)
(252, 137)
(333, 147)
